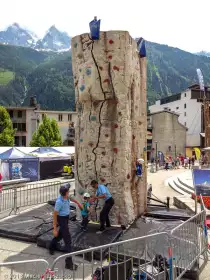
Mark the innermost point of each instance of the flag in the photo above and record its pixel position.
(198, 153)
(200, 78)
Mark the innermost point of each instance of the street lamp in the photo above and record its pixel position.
(156, 154)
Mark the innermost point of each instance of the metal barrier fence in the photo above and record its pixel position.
(14, 197)
(138, 258)
(189, 241)
(28, 269)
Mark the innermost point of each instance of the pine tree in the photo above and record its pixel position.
(47, 135)
(7, 133)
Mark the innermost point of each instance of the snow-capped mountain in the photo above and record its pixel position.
(204, 53)
(54, 40)
(15, 35)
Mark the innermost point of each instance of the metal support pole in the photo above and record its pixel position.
(156, 156)
(168, 202)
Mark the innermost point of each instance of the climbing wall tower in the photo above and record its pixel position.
(110, 88)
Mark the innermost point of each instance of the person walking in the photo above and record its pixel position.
(102, 192)
(61, 218)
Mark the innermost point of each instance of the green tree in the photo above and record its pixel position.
(47, 135)
(7, 133)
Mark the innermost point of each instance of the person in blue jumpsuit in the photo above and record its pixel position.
(61, 218)
(102, 192)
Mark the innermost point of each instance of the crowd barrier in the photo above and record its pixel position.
(12, 198)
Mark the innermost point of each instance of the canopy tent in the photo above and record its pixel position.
(16, 164)
(66, 150)
(46, 150)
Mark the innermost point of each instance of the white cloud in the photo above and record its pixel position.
(180, 23)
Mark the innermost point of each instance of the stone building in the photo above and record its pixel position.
(110, 89)
(168, 134)
(27, 119)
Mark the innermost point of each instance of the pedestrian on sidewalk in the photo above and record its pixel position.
(61, 218)
(102, 192)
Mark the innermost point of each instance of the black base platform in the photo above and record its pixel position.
(165, 213)
(84, 240)
(30, 225)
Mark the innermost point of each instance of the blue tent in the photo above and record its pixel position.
(20, 164)
(46, 150)
(14, 153)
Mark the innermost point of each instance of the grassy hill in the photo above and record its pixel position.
(48, 75)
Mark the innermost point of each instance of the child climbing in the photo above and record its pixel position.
(85, 208)
(139, 167)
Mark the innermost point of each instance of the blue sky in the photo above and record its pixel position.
(180, 23)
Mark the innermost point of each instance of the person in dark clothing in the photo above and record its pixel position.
(61, 218)
(102, 192)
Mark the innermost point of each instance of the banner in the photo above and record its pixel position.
(200, 78)
(201, 180)
(24, 168)
(197, 153)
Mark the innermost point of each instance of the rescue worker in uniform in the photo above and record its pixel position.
(102, 192)
(61, 218)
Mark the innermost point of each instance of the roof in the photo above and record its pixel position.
(14, 153)
(163, 111)
(55, 112)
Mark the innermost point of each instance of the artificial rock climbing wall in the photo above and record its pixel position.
(110, 88)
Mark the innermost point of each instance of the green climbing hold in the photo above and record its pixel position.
(93, 118)
(81, 140)
(88, 71)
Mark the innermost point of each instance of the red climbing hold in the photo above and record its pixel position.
(128, 176)
(106, 135)
(101, 68)
(110, 57)
(111, 41)
(116, 125)
(134, 137)
(115, 150)
(103, 166)
(90, 144)
(106, 81)
(116, 68)
(102, 180)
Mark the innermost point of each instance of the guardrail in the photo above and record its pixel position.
(189, 242)
(12, 198)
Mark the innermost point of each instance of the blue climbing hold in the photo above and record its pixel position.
(95, 29)
(82, 87)
(88, 71)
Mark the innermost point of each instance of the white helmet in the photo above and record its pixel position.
(140, 160)
(86, 195)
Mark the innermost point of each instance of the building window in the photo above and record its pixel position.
(185, 106)
(177, 108)
(20, 126)
(185, 94)
(20, 114)
(16, 140)
(60, 117)
(15, 125)
(69, 118)
(11, 114)
(23, 141)
(185, 114)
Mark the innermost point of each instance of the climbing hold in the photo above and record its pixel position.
(88, 71)
(79, 165)
(111, 41)
(134, 137)
(116, 68)
(102, 180)
(119, 113)
(90, 144)
(106, 81)
(76, 83)
(106, 135)
(110, 57)
(93, 118)
(136, 107)
(75, 45)
(80, 70)
(128, 176)
(103, 153)
(103, 166)
(101, 68)
(82, 87)
(115, 150)
(140, 123)
(81, 140)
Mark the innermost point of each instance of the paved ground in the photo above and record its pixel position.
(11, 250)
